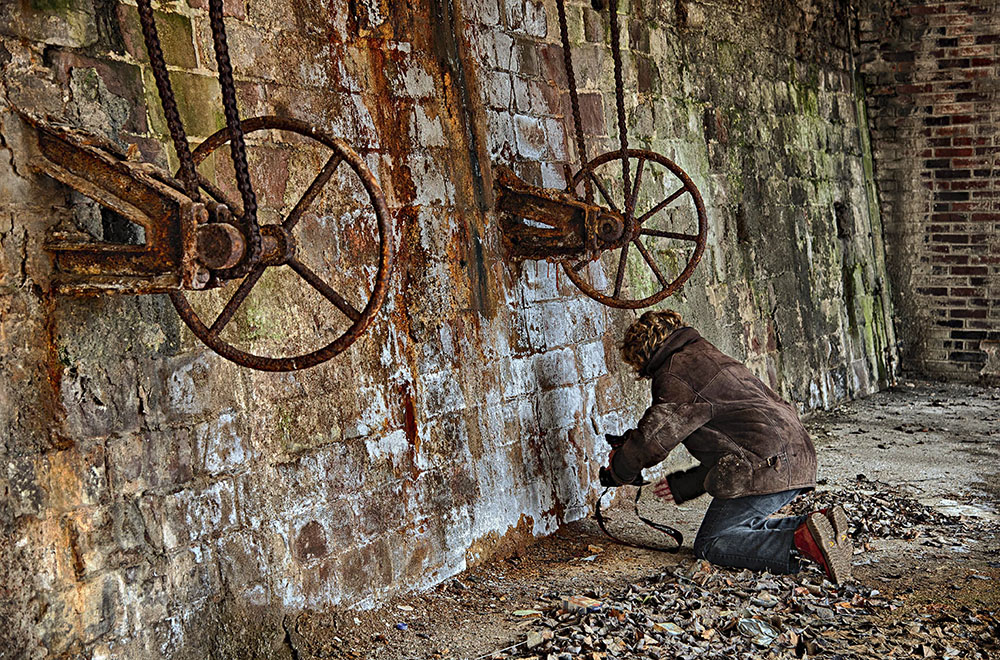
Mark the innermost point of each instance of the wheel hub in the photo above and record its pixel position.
(277, 245)
(610, 227)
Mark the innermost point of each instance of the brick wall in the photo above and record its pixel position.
(157, 501)
(931, 72)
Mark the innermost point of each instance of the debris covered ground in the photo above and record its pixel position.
(916, 469)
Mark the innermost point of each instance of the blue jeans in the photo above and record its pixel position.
(739, 534)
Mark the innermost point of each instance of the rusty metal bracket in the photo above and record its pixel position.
(543, 223)
(142, 194)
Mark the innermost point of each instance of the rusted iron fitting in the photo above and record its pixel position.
(220, 245)
(184, 240)
(277, 245)
(544, 223)
(610, 227)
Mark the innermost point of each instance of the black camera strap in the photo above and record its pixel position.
(660, 527)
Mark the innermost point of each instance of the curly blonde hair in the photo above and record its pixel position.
(643, 337)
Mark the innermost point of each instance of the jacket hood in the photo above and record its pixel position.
(677, 340)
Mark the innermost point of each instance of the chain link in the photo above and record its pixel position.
(574, 97)
(156, 61)
(237, 144)
(248, 221)
(616, 53)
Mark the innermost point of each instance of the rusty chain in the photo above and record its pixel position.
(574, 97)
(248, 220)
(616, 53)
(237, 145)
(619, 92)
(167, 101)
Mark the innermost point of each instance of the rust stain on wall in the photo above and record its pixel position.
(409, 417)
(511, 542)
(73, 538)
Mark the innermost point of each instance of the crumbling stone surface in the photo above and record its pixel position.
(158, 501)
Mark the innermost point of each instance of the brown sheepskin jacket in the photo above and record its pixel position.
(747, 439)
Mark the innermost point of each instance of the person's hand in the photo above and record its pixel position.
(662, 490)
(615, 441)
(604, 476)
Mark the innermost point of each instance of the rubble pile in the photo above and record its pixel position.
(698, 611)
(876, 509)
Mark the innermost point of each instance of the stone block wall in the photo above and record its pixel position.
(931, 71)
(157, 501)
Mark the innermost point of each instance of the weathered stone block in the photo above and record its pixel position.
(243, 561)
(412, 79)
(560, 408)
(95, 405)
(193, 574)
(155, 459)
(188, 385)
(592, 360)
(54, 564)
(199, 101)
(69, 23)
(74, 477)
(174, 30)
(26, 494)
(556, 368)
(198, 514)
(224, 441)
(486, 12)
(527, 16)
(106, 94)
(319, 585)
(442, 394)
(365, 569)
(307, 479)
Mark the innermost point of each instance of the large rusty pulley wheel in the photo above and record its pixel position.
(279, 249)
(667, 220)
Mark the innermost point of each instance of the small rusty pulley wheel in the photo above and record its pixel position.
(652, 229)
(279, 249)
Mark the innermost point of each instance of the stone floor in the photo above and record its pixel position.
(918, 468)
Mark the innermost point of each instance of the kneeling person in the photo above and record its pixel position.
(755, 455)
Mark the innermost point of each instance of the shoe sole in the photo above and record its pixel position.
(836, 556)
(838, 519)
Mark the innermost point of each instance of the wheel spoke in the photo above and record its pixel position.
(652, 264)
(242, 291)
(317, 283)
(580, 265)
(662, 205)
(312, 191)
(668, 234)
(630, 205)
(604, 193)
(621, 270)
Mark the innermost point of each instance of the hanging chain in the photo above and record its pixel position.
(189, 176)
(170, 112)
(574, 97)
(237, 145)
(616, 53)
